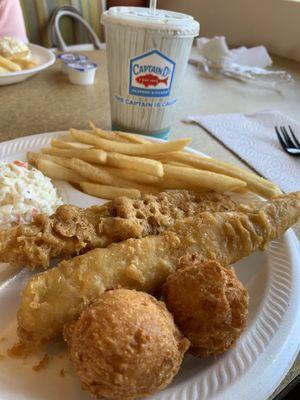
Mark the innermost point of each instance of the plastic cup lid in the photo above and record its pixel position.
(70, 57)
(82, 66)
(171, 22)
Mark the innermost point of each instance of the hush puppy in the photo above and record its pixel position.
(209, 305)
(125, 345)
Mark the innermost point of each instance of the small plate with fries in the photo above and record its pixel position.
(18, 67)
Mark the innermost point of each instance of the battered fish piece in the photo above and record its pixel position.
(72, 230)
(57, 296)
(209, 305)
(125, 346)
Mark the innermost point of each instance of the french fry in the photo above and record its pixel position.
(179, 164)
(19, 56)
(203, 179)
(118, 136)
(122, 160)
(254, 183)
(129, 148)
(22, 60)
(34, 157)
(109, 135)
(133, 138)
(108, 192)
(173, 183)
(97, 156)
(103, 176)
(145, 165)
(138, 180)
(55, 171)
(63, 144)
(136, 176)
(9, 65)
(96, 174)
(25, 64)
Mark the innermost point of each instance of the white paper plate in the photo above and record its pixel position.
(252, 370)
(43, 56)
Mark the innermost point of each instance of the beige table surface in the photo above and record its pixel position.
(47, 102)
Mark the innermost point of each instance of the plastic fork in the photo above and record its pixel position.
(288, 140)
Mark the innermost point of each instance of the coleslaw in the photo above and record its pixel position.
(24, 192)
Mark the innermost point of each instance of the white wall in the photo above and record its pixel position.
(274, 23)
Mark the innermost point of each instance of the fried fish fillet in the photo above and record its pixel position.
(57, 296)
(72, 230)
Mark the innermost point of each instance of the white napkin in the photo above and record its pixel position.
(252, 137)
(213, 56)
(216, 49)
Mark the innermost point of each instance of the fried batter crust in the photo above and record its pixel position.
(209, 304)
(72, 230)
(125, 345)
(57, 296)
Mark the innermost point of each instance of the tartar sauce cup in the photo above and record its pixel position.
(66, 58)
(81, 72)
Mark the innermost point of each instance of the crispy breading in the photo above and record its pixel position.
(58, 295)
(209, 305)
(71, 230)
(125, 346)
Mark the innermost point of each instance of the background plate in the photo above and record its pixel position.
(251, 370)
(43, 56)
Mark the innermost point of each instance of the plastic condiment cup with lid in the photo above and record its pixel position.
(66, 58)
(147, 55)
(82, 72)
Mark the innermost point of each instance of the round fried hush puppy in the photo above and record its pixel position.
(125, 345)
(209, 305)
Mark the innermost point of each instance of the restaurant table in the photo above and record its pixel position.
(47, 102)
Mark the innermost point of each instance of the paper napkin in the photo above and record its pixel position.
(252, 137)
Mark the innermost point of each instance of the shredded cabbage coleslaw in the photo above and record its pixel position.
(24, 192)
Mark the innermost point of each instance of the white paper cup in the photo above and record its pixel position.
(147, 54)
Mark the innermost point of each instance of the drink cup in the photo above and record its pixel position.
(147, 54)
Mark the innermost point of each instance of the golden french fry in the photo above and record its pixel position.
(203, 179)
(132, 137)
(3, 71)
(63, 144)
(117, 135)
(19, 56)
(109, 135)
(9, 65)
(145, 165)
(34, 157)
(26, 64)
(136, 176)
(254, 183)
(103, 176)
(108, 192)
(97, 156)
(55, 171)
(179, 164)
(97, 174)
(173, 183)
(129, 148)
